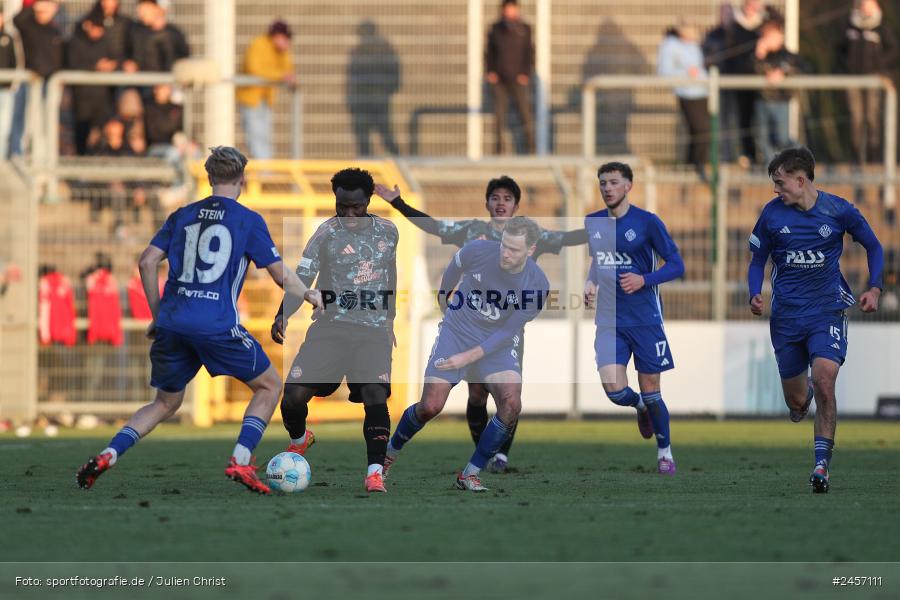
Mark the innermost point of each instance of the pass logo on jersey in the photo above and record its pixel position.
(806, 258)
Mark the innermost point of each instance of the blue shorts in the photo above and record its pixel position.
(175, 358)
(797, 341)
(505, 358)
(648, 343)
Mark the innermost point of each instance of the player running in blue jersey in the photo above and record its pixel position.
(498, 289)
(624, 271)
(352, 257)
(209, 245)
(501, 200)
(802, 230)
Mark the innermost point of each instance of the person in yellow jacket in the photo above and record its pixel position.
(267, 56)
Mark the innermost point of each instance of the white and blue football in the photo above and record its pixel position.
(288, 472)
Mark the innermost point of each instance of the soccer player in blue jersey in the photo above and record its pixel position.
(802, 230)
(626, 273)
(209, 245)
(498, 289)
(501, 200)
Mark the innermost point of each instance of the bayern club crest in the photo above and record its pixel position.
(630, 235)
(824, 231)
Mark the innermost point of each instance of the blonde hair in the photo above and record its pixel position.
(225, 165)
(523, 226)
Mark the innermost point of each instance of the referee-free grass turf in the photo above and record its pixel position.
(580, 491)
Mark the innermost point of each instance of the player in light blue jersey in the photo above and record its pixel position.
(802, 231)
(624, 272)
(498, 289)
(209, 245)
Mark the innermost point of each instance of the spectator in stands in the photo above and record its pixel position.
(680, 56)
(163, 122)
(117, 26)
(90, 50)
(112, 140)
(268, 56)
(867, 48)
(775, 62)
(162, 117)
(740, 61)
(373, 77)
(156, 44)
(715, 53)
(42, 45)
(509, 62)
(130, 111)
(8, 60)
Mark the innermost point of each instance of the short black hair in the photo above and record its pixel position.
(505, 182)
(621, 167)
(791, 160)
(354, 179)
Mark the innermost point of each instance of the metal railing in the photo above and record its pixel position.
(716, 82)
(32, 109)
(57, 82)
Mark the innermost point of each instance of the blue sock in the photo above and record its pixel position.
(489, 444)
(125, 439)
(823, 448)
(408, 426)
(624, 397)
(659, 414)
(251, 432)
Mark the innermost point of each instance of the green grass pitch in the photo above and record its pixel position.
(581, 491)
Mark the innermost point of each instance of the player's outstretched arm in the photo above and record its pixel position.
(423, 221)
(148, 266)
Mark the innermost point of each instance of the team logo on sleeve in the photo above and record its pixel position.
(824, 231)
(630, 235)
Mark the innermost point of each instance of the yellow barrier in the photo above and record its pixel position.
(280, 189)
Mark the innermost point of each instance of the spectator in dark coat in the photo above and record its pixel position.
(42, 45)
(715, 53)
(156, 44)
(772, 108)
(509, 62)
(89, 50)
(741, 48)
(867, 48)
(118, 28)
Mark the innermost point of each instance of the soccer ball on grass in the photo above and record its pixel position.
(288, 472)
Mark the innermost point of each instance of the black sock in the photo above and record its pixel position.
(294, 410)
(477, 418)
(504, 449)
(377, 431)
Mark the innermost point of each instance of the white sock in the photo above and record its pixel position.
(664, 453)
(391, 451)
(374, 469)
(640, 405)
(299, 441)
(115, 455)
(470, 470)
(241, 454)
(501, 456)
